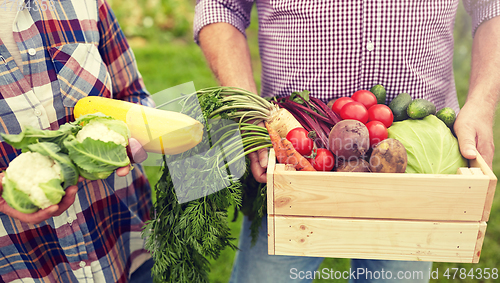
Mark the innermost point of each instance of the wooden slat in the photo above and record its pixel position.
(479, 242)
(480, 163)
(379, 195)
(464, 171)
(376, 239)
(476, 171)
(270, 234)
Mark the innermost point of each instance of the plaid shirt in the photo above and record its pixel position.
(334, 48)
(72, 49)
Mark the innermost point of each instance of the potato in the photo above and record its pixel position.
(331, 102)
(354, 165)
(388, 156)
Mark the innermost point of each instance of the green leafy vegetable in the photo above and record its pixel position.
(430, 145)
(296, 96)
(30, 135)
(17, 199)
(95, 156)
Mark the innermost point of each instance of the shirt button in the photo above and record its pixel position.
(82, 264)
(70, 220)
(32, 51)
(370, 46)
(38, 112)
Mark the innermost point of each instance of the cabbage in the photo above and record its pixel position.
(430, 145)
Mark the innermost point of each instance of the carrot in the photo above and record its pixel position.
(286, 154)
(279, 149)
(296, 159)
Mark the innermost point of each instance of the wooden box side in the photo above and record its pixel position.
(376, 239)
(270, 182)
(486, 170)
(479, 242)
(380, 195)
(270, 202)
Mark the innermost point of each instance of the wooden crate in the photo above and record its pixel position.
(417, 217)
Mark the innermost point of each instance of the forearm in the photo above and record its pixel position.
(227, 53)
(474, 124)
(484, 87)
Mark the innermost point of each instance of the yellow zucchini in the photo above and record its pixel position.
(158, 131)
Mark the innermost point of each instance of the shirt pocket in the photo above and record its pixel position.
(80, 72)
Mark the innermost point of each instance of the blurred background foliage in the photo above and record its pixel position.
(157, 20)
(160, 32)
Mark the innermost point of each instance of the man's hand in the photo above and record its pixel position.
(474, 129)
(258, 163)
(42, 214)
(474, 124)
(136, 154)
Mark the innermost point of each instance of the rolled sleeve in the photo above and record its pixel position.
(236, 13)
(481, 11)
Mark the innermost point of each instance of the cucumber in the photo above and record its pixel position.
(379, 92)
(399, 105)
(447, 115)
(419, 108)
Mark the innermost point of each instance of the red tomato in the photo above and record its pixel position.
(339, 103)
(377, 131)
(355, 111)
(382, 113)
(366, 97)
(324, 160)
(300, 141)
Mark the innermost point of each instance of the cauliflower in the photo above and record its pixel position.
(99, 131)
(99, 146)
(93, 146)
(33, 180)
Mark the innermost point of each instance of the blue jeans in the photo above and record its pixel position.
(143, 273)
(253, 264)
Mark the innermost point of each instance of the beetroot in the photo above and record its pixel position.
(349, 139)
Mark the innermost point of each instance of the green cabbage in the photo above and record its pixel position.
(430, 146)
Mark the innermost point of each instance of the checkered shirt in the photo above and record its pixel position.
(72, 49)
(334, 48)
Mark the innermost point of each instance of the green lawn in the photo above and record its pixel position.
(180, 61)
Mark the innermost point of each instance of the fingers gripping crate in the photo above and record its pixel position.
(416, 217)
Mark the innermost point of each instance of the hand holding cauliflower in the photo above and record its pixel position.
(93, 147)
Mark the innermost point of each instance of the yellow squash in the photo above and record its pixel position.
(158, 131)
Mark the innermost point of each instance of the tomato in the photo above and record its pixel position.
(324, 160)
(339, 103)
(355, 111)
(366, 97)
(377, 131)
(382, 113)
(300, 141)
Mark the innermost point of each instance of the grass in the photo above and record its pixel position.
(180, 61)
